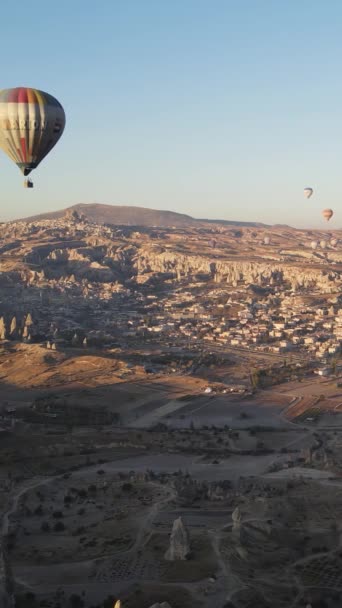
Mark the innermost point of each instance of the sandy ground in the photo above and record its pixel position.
(226, 410)
(178, 402)
(305, 472)
(230, 468)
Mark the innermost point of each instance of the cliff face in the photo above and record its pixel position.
(234, 272)
(76, 274)
(132, 262)
(73, 245)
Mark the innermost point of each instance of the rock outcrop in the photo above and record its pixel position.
(13, 328)
(87, 275)
(233, 272)
(179, 542)
(259, 527)
(3, 329)
(236, 518)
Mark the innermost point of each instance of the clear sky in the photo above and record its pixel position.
(215, 108)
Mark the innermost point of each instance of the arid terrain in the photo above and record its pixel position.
(171, 413)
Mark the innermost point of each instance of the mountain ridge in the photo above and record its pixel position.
(135, 216)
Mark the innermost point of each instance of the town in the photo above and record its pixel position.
(81, 283)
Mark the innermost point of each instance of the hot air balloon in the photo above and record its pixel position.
(323, 244)
(31, 123)
(314, 244)
(327, 214)
(333, 242)
(267, 240)
(117, 604)
(308, 192)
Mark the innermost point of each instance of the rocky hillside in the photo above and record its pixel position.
(77, 280)
(133, 216)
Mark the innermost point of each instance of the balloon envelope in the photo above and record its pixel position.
(327, 214)
(308, 192)
(323, 244)
(314, 244)
(31, 123)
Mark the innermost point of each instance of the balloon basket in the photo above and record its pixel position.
(28, 183)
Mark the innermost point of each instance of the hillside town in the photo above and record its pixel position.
(72, 281)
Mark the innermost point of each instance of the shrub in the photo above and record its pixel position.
(127, 487)
(57, 514)
(39, 511)
(75, 601)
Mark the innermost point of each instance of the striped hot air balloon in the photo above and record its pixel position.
(327, 214)
(31, 123)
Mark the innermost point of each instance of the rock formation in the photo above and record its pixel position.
(82, 270)
(13, 328)
(260, 527)
(3, 329)
(179, 542)
(28, 320)
(236, 518)
(72, 215)
(233, 273)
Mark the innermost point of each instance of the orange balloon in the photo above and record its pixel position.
(327, 214)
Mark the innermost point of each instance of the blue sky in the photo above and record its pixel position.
(215, 108)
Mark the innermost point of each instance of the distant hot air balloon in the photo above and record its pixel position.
(267, 240)
(327, 214)
(308, 192)
(314, 244)
(31, 123)
(323, 244)
(334, 242)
